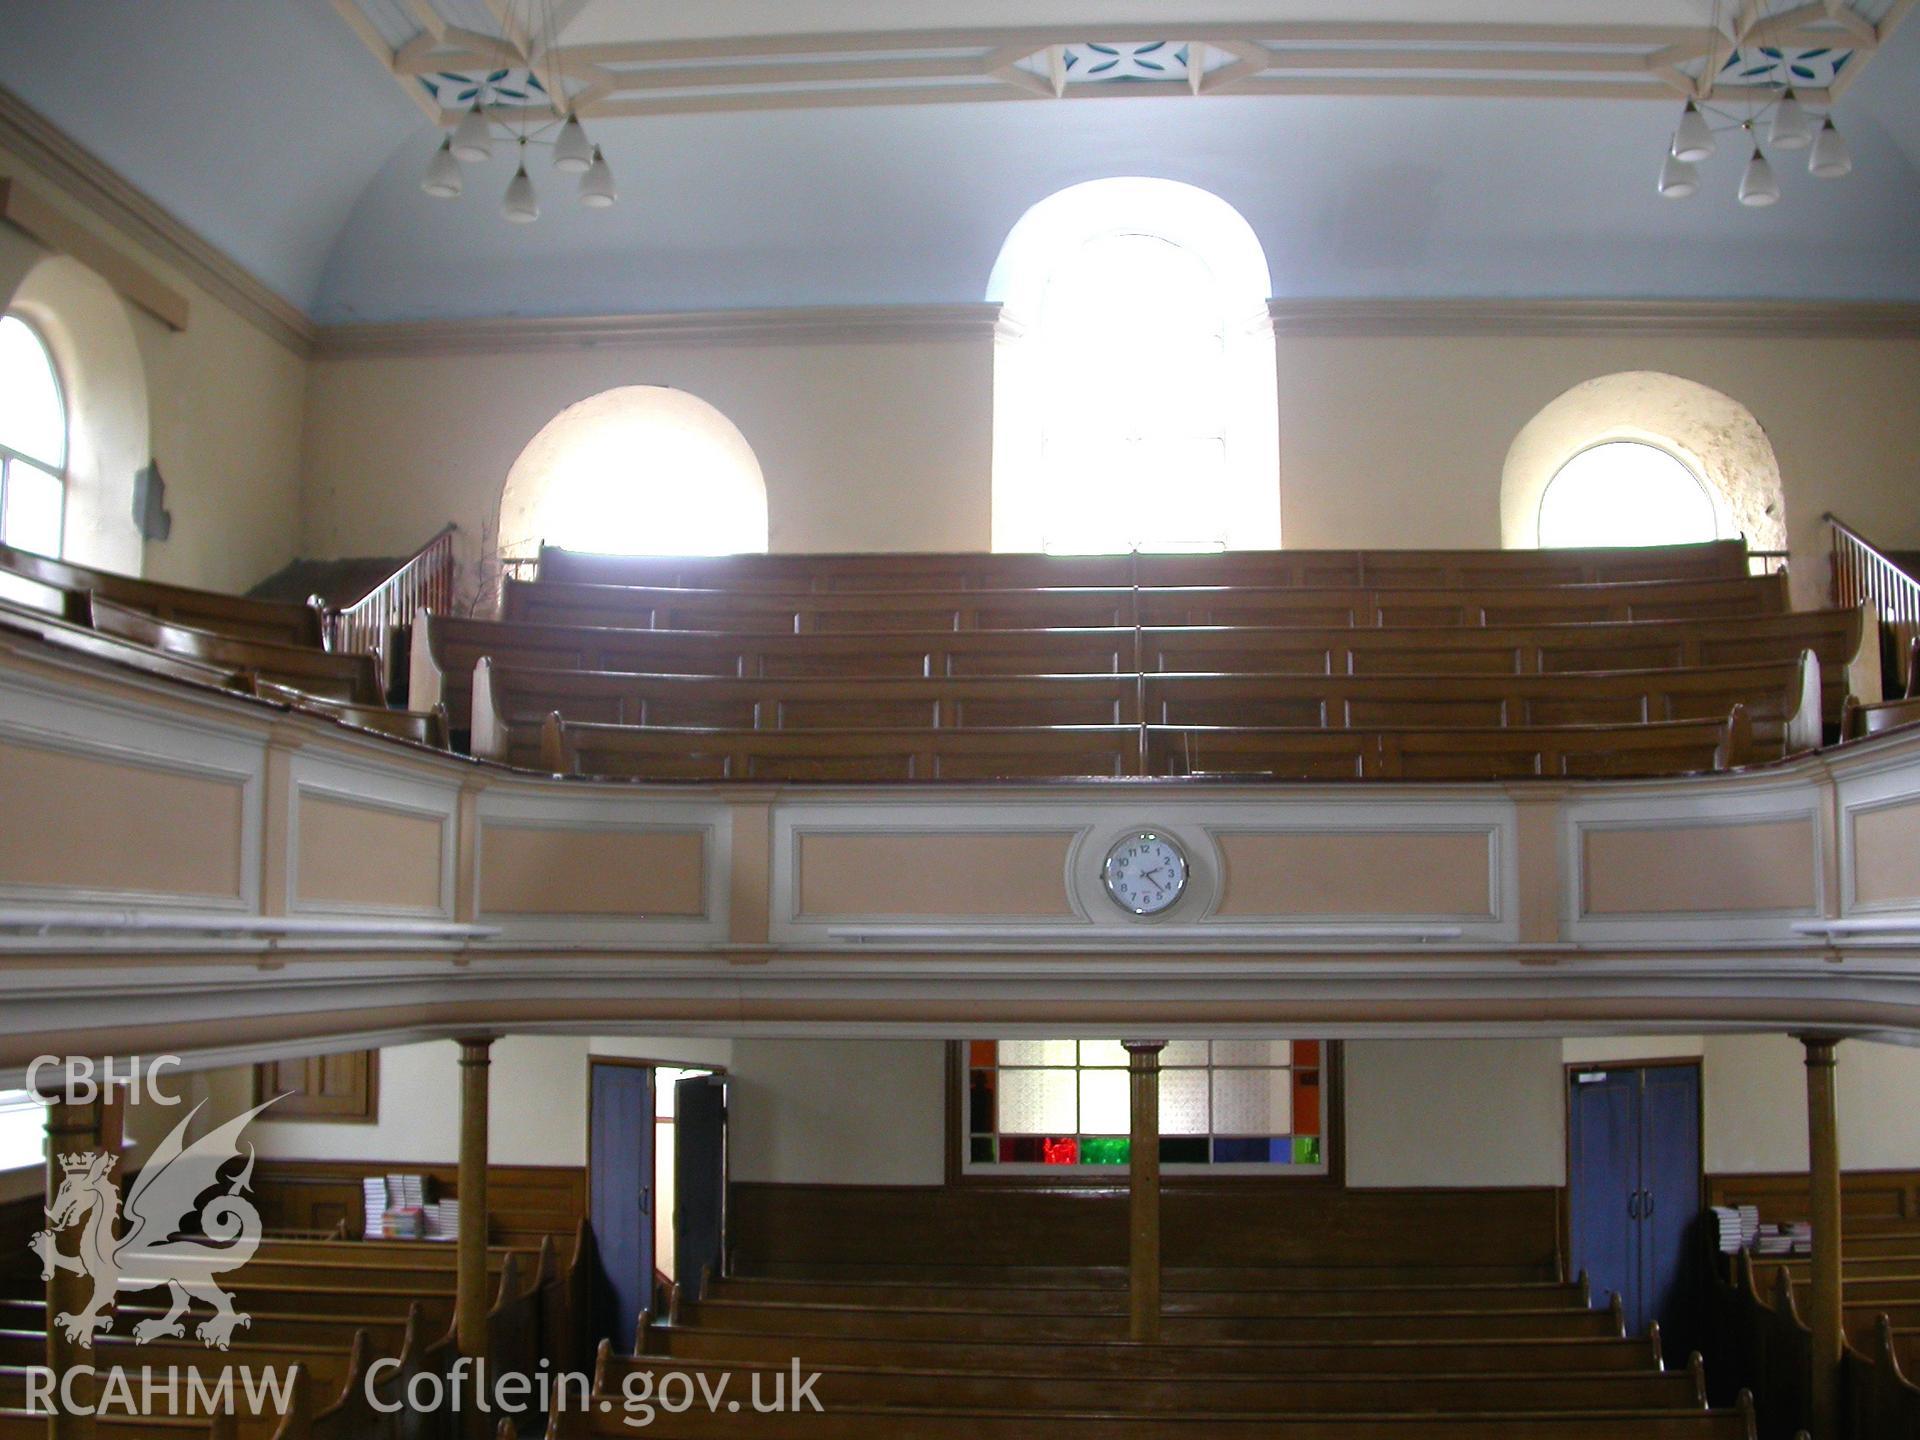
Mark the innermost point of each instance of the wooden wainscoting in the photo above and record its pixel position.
(1205, 1223)
(20, 1219)
(1782, 1195)
(529, 1202)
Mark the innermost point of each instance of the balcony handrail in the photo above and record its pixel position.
(1864, 574)
(424, 581)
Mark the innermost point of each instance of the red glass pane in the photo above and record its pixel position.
(1061, 1149)
(1306, 1102)
(1021, 1150)
(1306, 1054)
(982, 1052)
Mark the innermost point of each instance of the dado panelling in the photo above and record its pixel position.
(363, 840)
(1003, 871)
(1879, 841)
(1723, 859)
(591, 865)
(98, 798)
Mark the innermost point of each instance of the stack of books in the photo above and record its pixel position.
(1735, 1227)
(443, 1220)
(397, 1207)
(373, 1193)
(1793, 1239)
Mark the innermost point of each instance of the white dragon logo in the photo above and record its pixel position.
(165, 1196)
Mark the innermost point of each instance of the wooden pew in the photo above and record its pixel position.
(271, 621)
(82, 640)
(511, 705)
(951, 571)
(420, 727)
(350, 679)
(1679, 747)
(446, 649)
(866, 756)
(1858, 720)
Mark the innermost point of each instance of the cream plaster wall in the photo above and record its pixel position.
(1395, 441)
(851, 1112)
(1454, 1113)
(225, 418)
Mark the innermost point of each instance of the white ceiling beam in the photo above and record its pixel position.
(429, 18)
(1893, 17)
(376, 43)
(1250, 59)
(1196, 64)
(714, 77)
(1057, 69)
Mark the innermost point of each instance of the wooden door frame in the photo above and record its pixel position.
(1567, 1069)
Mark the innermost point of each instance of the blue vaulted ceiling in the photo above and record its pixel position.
(266, 126)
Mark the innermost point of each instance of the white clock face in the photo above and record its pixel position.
(1145, 873)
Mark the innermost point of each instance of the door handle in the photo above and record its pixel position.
(646, 1199)
(1646, 1204)
(1633, 1204)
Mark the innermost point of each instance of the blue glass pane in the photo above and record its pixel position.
(1240, 1151)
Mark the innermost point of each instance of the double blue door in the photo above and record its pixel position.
(1633, 1155)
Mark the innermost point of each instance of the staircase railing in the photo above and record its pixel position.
(424, 582)
(1864, 575)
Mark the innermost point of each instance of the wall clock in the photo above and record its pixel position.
(1145, 873)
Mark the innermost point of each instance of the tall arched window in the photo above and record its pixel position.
(641, 470)
(1134, 395)
(33, 440)
(1626, 492)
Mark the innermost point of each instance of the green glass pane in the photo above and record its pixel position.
(980, 1150)
(1306, 1149)
(1105, 1150)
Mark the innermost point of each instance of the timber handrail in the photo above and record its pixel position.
(423, 582)
(1863, 571)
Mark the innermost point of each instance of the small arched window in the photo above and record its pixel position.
(1135, 406)
(641, 470)
(1626, 492)
(33, 441)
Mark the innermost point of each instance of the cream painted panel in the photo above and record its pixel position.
(1886, 854)
(358, 856)
(550, 870)
(1454, 1113)
(1696, 869)
(102, 827)
(1011, 875)
(1627, 1049)
(849, 1112)
(1380, 873)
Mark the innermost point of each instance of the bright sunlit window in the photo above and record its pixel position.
(1134, 397)
(642, 470)
(23, 1129)
(1625, 492)
(33, 441)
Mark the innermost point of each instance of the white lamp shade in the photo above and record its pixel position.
(1792, 126)
(1758, 186)
(1678, 179)
(443, 178)
(472, 141)
(520, 205)
(1693, 140)
(1830, 158)
(572, 152)
(596, 186)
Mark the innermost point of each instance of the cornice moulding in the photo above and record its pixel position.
(89, 182)
(828, 325)
(1691, 319)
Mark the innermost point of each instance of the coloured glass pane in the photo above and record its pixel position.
(1060, 1150)
(980, 1100)
(1104, 1102)
(1037, 1102)
(1105, 1150)
(1183, 1102)
(1252, 1102)
(1228, 1150)
(1183, 1052)
(1037, 1052)
(1306, 1053)
(982, 1052)
(1306, 1102)
(1306, 1149)
(1021, 1150)
(980, 1150)
(1184, 1150)
(1252, 1052)
(1103, 1052)
(33, 418)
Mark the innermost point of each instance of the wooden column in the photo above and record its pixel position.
(1823, 1184)
(1143, 1185)
(72, 1129)
(470, 1296)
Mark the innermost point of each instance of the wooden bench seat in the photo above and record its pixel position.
(959, 571)
(353, 679)
(1253, 1275)
(420, 727)
(1860, 720)
(270, 621)
(81, 639)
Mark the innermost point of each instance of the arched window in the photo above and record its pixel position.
(1625, 492)
(641, 470)
(1134, 395)
(33, 441)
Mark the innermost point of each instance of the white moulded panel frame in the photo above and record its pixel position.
(1699, 804)
(114, 732)
(1881, 784)
(366, 785)
(581, 809)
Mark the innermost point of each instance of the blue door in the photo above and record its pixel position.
(620, 1198)
(699, 1180)
(1633, 1181)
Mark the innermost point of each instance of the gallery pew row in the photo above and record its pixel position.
(1719, 559)
(445, 650)
(654, 608)
(1765, 1344)
(883, 756)
(511, 705)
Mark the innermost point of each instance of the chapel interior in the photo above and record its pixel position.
(853, 718)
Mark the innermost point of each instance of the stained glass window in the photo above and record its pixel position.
(33, 441)
(1053, 1105)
